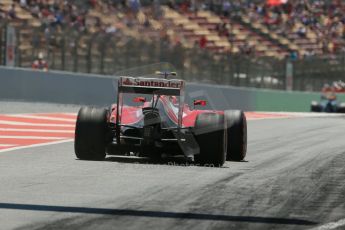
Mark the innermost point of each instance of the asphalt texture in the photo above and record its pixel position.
(293, 178)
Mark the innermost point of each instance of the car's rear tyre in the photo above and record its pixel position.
(237, 135)
(341, 108)
(209, 131)
(91, 133)
(315, 107)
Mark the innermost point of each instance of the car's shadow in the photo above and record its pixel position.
(156, 214)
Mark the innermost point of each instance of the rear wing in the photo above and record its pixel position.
(140, 85)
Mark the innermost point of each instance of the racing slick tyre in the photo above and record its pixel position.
(236, 124)
(209, 131)
(341, 108)
(315, 107)
(91, 133)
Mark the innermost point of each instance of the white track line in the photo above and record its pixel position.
(331, 225)
(37, 130)
(290, 115)
(267, 118)
(32, 137)
(7, 145)
(34, 124)
(32, 116)
(36, 145)
(302, 114)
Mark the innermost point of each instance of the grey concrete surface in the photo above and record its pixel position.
(293, 178)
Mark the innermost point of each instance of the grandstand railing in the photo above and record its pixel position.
(102, 53)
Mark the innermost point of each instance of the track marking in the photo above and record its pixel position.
(37, 130)
(18, 131)
(50, 118)
(36, 134)
(265, 115)
(58, 115)
(47, 127)
(3, 147)
(26, 142)
(30, 137)
(24, 119)
(6, 145)
(331, 225)
(282, 115)
(36, 145)
(35, 124)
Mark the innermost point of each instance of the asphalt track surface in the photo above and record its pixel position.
(293, 179)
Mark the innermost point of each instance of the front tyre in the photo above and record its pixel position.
(90, 133)
(237, 135)
(209, 131)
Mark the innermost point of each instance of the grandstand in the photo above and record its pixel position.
(73, 34)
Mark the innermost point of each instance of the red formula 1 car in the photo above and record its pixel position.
(151, 119)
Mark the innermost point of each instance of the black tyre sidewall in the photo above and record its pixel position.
(90, 133)
(315, 108)
(209, 131)
(341, 108)
(237, 135)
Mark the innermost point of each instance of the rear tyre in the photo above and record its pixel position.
(341, 108)
(237, 135)
(209, 131)
(315, 107)
(91, 133)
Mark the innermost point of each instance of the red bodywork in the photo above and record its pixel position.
(133, 114)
